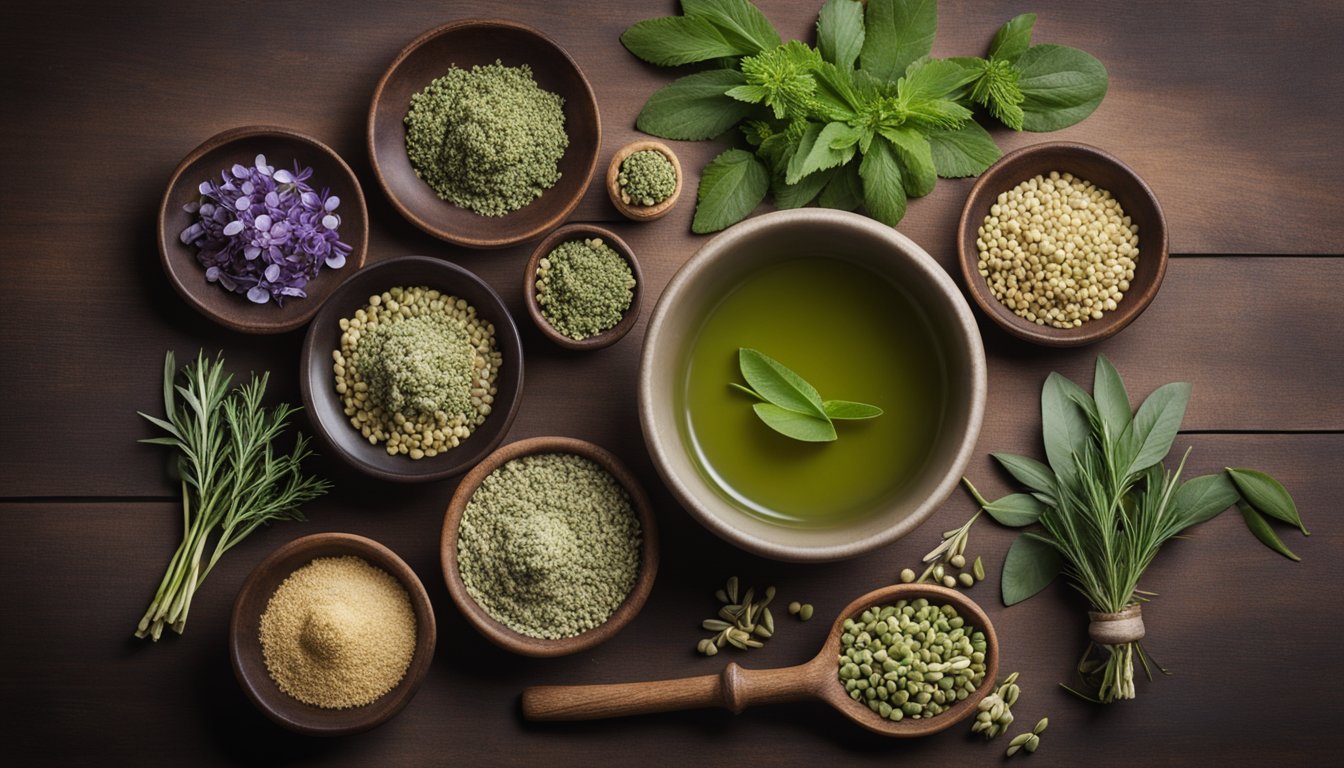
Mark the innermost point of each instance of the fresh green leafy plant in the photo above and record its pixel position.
(1106, 505)
(864, 118)
(233, 479)
(791, 406)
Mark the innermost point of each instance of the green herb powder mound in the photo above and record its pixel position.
(646, 178)
(549, 545)
(584, 288)
(487, 139)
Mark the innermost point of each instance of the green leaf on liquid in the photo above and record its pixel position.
(799, 426)
(779, 385)
(846, 410)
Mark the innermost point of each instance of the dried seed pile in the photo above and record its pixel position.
(1058, 251)
(549, 545)
(994, 713)
(338, 633)
(646, 178)
(416, 370)
(584, 288)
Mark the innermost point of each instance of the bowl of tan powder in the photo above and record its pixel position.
(331, 634)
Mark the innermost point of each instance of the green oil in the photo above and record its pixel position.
(854, 336)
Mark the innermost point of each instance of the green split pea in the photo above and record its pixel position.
(584, 288)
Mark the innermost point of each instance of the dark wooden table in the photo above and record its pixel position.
(1231, 111)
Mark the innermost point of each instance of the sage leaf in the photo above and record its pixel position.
(731, 186)
(896, 33)
(1016, 510)
(1112, 400)
(805, 191)
(1064, 427)
(846, 410)
(1029, 472)
(739, 21)
(916, 158)
(799, 426)
(1149, 436)
(1259, 526)
(962, 152)
(1267, 495)
(1060, 86)
(840, 32)
(670, 41)
(1013, 38)
(694, 107)
(816, 153)
(883, 192)
(1031, 564)
(779, 385)
(1203, 498)
(746, 390)
(845, 189)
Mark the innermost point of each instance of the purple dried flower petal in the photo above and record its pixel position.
(272, 273)
(258, 295)
(239, 171)
(336, 260)
(242, 203)
(331, 203)
(282, 176)
(330, 222)
(262, 223)
(233, 228)
(212, 274)
(191, 233)
(204, 188)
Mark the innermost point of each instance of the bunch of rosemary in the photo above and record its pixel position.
(1107, 505)
(233, 480)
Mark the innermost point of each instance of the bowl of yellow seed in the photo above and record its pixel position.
(1062, 244)
(331, 634)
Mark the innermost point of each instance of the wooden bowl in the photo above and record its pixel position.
(497, 632)
(581, 232)
(464, 44)
(282, 147)
(641, 212)
(249, 665)
(325, 410)
(1103, 170)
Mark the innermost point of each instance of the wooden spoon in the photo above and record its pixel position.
(736, 688)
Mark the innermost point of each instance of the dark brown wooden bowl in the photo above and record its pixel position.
(642, 212)
(497, 632)
(581, 232)
(325, 410)
(249, 665)
(282, 147)
(1103, 170)
(463, 44)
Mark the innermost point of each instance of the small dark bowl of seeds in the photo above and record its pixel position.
(582, 287)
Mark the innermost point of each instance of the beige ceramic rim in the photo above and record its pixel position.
(663, 438)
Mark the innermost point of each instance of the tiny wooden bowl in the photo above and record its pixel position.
(464, 44)
(249, 665)
(641, 212)
(581, 232)
(499, 633)
(282, 147)
(326, 411)
(1103, 170)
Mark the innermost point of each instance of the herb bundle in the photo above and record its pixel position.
(864, 118)
(791, 406)
(233, 480)
(1107, 504)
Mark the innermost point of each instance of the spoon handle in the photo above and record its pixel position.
(734, 689)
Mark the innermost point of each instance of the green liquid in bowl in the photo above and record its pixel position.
(855, 336)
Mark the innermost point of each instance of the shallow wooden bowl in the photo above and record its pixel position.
(249, 666)
(463, 44)
(581, 232)
(282, 147)
(500, 634)
(641, 212)
(1103, 170)
(317, 385)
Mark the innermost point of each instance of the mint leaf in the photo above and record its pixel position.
(844, 191)
(731, 185)
(1060, 86)
(840, 32)
(799, 426)
(883, 194)
(779, 385)
(933, 79)
(846, 410)
(739, 21)
(805, 191)
(751, 94)
(821, 153)
(897, 33)
(835, 94)
(961, 152)
(916, 157)
(1012, 38)
(673, 40)
(694, 107)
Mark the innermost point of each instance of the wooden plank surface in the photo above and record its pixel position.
(1228, 109)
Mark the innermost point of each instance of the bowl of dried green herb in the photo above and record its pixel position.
(582, 287)
(484, 133)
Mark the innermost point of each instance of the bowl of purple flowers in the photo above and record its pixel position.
(259, 225)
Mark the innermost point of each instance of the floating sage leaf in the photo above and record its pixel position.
(1032, 563)
(1267, 495)
(1203, 498)
(746, 390)
(1016, 510)
(799, 426)
(846, 410)
(1260, 527)
(779, 385)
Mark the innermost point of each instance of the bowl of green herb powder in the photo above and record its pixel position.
(484, 133)
(582, 287)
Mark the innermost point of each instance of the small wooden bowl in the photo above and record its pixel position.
(581, 232)
(282, 147)
(641, 212)
(497, 632)
(464, 44)
(326, 411)
(249, 665)
(1103, 170)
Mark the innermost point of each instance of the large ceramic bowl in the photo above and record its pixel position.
(723, 263)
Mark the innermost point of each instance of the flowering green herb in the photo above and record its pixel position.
(791, 406)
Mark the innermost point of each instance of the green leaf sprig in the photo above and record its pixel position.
(1106, 504)
(863, 119)
(790, 405)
